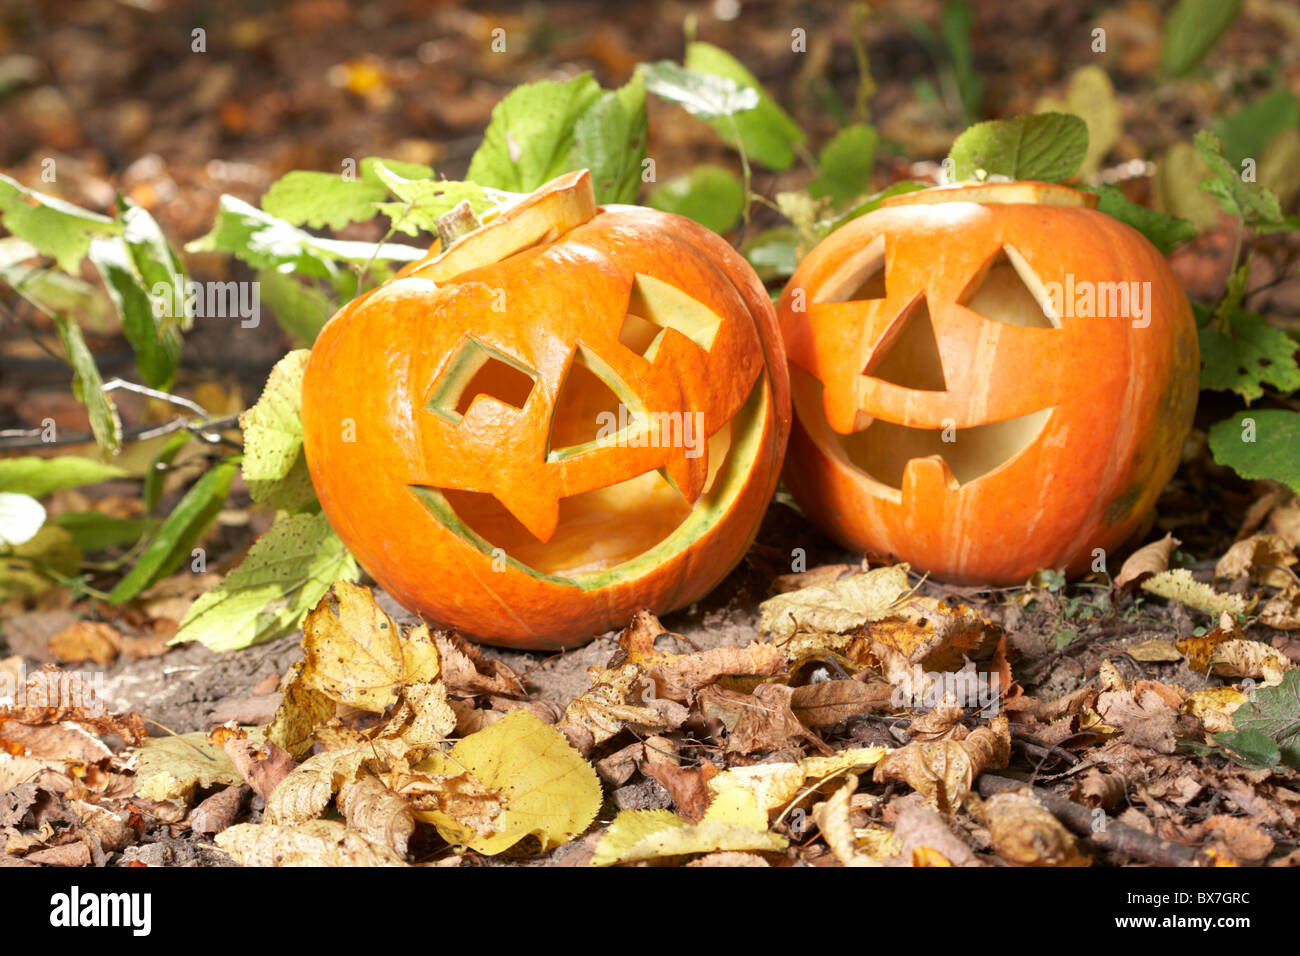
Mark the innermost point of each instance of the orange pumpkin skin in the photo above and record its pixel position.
(418, 496)
(1094, 410)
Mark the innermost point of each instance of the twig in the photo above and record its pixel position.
(1116, 837)
(31, 437)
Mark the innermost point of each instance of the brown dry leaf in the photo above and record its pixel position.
(1240, 838)
(1180, 586)
(219, 811)
(932, 634)
(86, 641)
(832, 819)
(1142, 713)
(356, 653)
(47, 698)
(1024, 833)
(1243, 658)
(1282, 611)
(103, 824)
(944, 771)
(466, 671)
(619, 697)
(302, 709)
(678, 677)
(1099, 788)
(377, 813)
(1147, 561)
(153, 645)
(314, 843)
(688, 786)
(261, 763)
(1201, 651)
(1048, 711)
(617, 769)
(306, 792)
(69, 854)
(820, 615)
(831, 702)
(1284, 520)
(941, 723)
(1262, 557)
(814, 577)
(766, 722)
(1154, 651)
(65, 742)
(458, 796)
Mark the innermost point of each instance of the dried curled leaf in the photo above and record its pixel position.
(306, 792)
(315, 843)
(833, 607)
(377, 813)
(832, 819)
(773, 785)
(943, 771)
(1147, 561)
(1024, 833)
(170, 767)
(1180, 586)
(733, 823)
(1262, 557)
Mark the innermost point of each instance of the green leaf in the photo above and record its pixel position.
(48, 289)
(1249, 130)
(300, 308)
(55, 227)
(285, 574)
(88, 387)
(774, 253)
(711, 98)
(767, 131)
(1250, 748)
(871, 203)
(275, 466)
(1251, 202)
(530, 134)
(38, 477)
(94, 531)
(1161, 229)
(845, 164)
(265, 242)
(955, 24)
(330, 201)
(710, 195)
(177, 535)
(1274, 715)
(37, 564)
(157, 473)
(424, 200)
(1272, 451)
(1192, 30)
(1250, 355)
(1048, 147)
(157, 343)
(609, 139)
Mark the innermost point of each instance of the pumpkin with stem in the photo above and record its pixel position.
(987, 380)
(570, 413)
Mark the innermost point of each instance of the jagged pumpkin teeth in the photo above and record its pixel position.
(987, 380)
(570, 413)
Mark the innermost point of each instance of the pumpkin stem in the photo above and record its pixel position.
(458, 221)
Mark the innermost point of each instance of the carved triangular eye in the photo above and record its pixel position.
(908, 353)
(588, 403)
(1006, 290)
(655, 306)
(477, 369)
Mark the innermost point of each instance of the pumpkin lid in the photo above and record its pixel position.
(1021, 193)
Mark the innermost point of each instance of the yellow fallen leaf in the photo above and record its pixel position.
(169, 767)
(1180, 586)
(1154, 650)
(832, 819)
(356, 654)
(733, 822)
(1024, 833)
(1264, 557)
(833, 607)
(547, 790)
(1283, 610)
(315, 843)
(1215, 706)
(305, 793)
(774, 785)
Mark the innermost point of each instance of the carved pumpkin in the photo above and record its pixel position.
(571, 413)
(975, 392)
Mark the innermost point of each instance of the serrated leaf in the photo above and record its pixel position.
(176, 536)
(1090, 95)
(530, 135)
(609, 139)
(1250, 355)
(701, 94)
(546, 789)
(423, 201)
(55, 227)
(266, 242)
(330, 201)
(844, 164)
(1161, 229)
(274, 465)
(1274, 452)
(1249, 201)
(1274, 716)
(88, 387)
(1047, 147)
(38, 477)
(711, 195)
(1192, 30)
(283, 576)
(768, 132)
(157, 343)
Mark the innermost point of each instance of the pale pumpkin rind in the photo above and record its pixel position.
(1098, 409)
(418, 488)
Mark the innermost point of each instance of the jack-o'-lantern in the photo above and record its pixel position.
(987, 380)
(571, 413)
